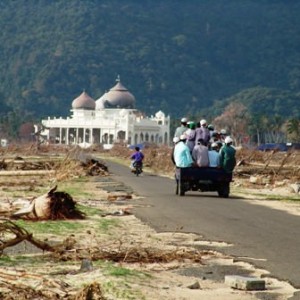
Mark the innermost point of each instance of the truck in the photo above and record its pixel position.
(203, 179)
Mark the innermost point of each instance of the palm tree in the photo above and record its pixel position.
(293, 129)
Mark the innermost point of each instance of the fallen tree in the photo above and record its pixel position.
(51, 206)
(12, 234)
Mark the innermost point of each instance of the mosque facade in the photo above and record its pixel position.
(108, 120)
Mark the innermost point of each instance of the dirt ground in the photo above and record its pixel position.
(114, 254)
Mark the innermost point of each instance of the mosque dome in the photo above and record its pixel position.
(84, 101)
(100, 103)
(160, 115)
(119, 97)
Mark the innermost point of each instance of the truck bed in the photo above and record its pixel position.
(202, 179)
(206, 173)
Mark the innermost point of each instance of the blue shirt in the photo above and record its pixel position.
(182, 156)
(214, 158)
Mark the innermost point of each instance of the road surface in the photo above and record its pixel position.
(266, 237)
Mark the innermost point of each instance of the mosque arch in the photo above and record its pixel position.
(157, 138)
(121, 135)
(166, 138)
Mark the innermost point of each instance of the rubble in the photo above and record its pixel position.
(134, 247)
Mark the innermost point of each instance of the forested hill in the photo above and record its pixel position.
(177, 56)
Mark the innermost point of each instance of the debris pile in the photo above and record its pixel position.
(44, 288)
(274, 164)
(95, 168)
(77, 164)
(142, 255)
(19, 163)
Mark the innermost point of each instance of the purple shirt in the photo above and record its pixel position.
(202, 133)
(137, 156)
(200, 155)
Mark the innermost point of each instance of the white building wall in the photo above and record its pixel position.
(81, 126)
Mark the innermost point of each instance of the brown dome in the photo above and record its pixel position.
(84, 101)
(119, 97)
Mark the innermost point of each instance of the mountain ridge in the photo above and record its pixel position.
(174, 56)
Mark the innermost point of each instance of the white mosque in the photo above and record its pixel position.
(110, 119)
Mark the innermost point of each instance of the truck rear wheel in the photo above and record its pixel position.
(181, 189)
(224, 190)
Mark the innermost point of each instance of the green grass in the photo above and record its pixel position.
(63, 228)
(105, 224)
(116, 159)
(75, 188)
(122, 272)
(20, 260)
(89, 211)
(283, 198)
(52, 227)
(122, 291)
(111, 269)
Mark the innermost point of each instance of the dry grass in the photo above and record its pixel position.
(277, 165)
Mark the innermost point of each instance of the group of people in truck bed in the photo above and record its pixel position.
(199, 145)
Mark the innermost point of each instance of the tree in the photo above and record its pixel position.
(293, 130)
(26, 132)
(235, 120)
(257, 127)
(274, 132)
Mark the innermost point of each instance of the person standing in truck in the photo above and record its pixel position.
(175, 141)
(182, 155)
(182, 128)
(202, 132)
(191, 136)
(213, 156)
(227, 156)
(200, 154)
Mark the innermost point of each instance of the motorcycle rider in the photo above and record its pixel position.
(136, 157)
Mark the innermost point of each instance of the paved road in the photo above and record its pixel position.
(267, 237)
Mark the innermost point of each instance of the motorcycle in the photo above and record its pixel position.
(137, 168)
